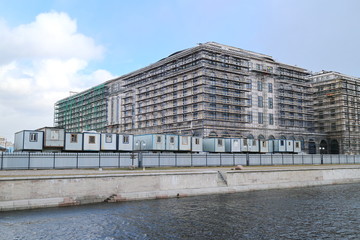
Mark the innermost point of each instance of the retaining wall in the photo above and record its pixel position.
(49, 191)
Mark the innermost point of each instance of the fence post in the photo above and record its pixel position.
(29, 161)
(99, 160)
(77, 159)
(175, 160)
(54, 161)
(234, 159)
(191, 156)
(118, 159)
(260, 159)
(206, 160)
(293, 159)
(2, 160)
(159, 159)
(220, 161)
(272, 161)
(282, 159)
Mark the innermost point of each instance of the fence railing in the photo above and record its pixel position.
(28, 160)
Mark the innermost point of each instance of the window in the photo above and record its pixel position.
(172, 139)
(270, 87)
(271, 104)
(54, 134)
(158, 139)
(282, 142)
(260, 86)
(184, 140)
(250, 117)
(91, 139)
(73, 138)
(260, 101)
(197, 141)
(220, 142)
(297, 144)
(126, 139)
(260, 118)
(271, 119)
(33, 137)
(245, 142)
(108, 138)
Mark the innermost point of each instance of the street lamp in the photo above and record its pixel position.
(322, 154)
(140, 144)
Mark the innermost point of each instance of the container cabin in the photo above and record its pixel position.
(279, 145)
(108, 142)
(172, 142)
(54, 139)
(91, 141)
(29, 140)
(150, 142)
(289, 146)
(185, 143)
(125, 142)
(73, 141)
(264, 146)
(249, 145)
(214, 145)
(297, 146)
(196, 144)
(232, 145)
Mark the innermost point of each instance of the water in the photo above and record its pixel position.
(325, 212)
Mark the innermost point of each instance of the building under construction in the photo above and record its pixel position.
(337, 111)
(210, 90)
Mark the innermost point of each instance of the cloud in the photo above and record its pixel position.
(40, 63)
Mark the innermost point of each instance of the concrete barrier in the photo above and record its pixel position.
(49, 191)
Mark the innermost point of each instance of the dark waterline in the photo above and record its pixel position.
(324, 212)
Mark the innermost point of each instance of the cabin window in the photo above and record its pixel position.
(236, 141)
(33, 137)
(158, 139)
(197, 141)
(264, 143)
(172, 139)
(91, 139)
(297, 145)
(126, 139)
(281, 142)
(184, 140)
(245, 142)
(289, 143)
(108, 138)
(220, 142)
(54, 134)
(73, 138)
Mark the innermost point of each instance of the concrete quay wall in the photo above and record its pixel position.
(28, 192)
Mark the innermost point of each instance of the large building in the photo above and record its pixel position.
(337, 111)
(209, 90)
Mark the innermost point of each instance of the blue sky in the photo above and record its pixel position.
(49, 48)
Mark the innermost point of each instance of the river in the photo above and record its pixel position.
(322, 212)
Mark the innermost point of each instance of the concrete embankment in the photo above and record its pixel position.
(37, 189)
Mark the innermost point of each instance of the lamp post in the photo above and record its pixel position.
(322, 154)
(140, 144)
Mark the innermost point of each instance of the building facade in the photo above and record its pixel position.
(210, 90)
(337, 111)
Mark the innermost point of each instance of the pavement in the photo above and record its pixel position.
(106, 171)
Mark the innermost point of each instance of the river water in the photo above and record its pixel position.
(323, 212)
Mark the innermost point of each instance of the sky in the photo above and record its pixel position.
(49, 48)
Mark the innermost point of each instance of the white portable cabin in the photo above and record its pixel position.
(171, 142)
(297, 146)
(54, 138)
(264, 146)
(91, 141)
(108, 142)
(279, 145)
(289, 145)
(73, 141)
(29, 140)
(249, 145)
(125, 142)
(185, 143)
(214, 145)
(270, 145)
(196, 144)
(150, 142)
(233, 145)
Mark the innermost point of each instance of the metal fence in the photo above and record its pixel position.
(27, 160)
